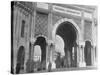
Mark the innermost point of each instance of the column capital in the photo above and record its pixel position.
(81, 43)
(50, 42)
(94, 44)
(32, 40)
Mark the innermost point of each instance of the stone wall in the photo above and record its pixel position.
(21, 15)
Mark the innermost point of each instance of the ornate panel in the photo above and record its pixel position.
(41, 26)
(78, 22)
(55, 18)
(88, 30)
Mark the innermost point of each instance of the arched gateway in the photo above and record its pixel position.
(70, 33)
(20, 59)
(41, 41)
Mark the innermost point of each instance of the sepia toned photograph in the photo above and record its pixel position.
(52, 37)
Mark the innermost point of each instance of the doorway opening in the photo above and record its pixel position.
(87, 53)
(70, 33)
(20, 59)
(40, 50)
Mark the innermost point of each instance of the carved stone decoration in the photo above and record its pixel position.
(41, 24)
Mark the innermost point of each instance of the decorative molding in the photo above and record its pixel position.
(42, 5)
(40, 35)
(24, 6)
(66, 10)
(87, 15)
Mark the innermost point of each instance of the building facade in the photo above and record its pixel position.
(35, 23)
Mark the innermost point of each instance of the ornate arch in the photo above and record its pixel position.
(90, 41)
(46, 40)
(42, 36)
(58, 23)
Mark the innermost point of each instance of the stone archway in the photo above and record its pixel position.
(79, 37)
(87, 53)
(42, 42)
(71, 35)
(20, 59)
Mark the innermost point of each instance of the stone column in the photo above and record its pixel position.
(94, 37)
(49, 35)
(32, 40)
(48, 54)
(79, 56)
(81, 61)
(83, 57)
(93, 55)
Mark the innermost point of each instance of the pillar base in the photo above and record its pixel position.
(82, 64)
(53, 65)
(95, 64)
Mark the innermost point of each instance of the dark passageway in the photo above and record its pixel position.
(87, 52)
(67, 31)
(41, 41)
(20, 59)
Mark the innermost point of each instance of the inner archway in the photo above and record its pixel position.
(87, 52)
(41, 41)
(69, 31)
(20, 59)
